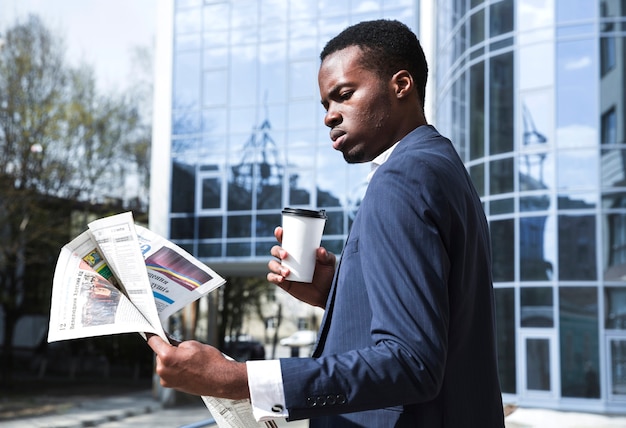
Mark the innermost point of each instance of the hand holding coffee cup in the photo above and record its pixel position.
(302, 235)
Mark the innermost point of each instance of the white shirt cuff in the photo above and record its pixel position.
(267, 396)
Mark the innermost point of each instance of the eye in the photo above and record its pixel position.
(346, 95)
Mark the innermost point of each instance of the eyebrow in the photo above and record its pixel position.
(333, 92)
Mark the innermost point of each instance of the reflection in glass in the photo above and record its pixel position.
(575, 10)
(614, 232)
(503, 250)
(501, 18)
(266, 223)
(608, 127)
(243, 74)
(575, 70)
(577, 169)
(183, 185)
(477, 111)
(211, 193)
(210, 227)
(214, 88)
(618, 367)
(501, 176)
(477, 172)
(537, 308)
(186, 86)
(577, 251)
(501, 104)
(578, 331)
(239, 226)
(238, 249)
(615, 308)
(182, 228)
(533, 14)
(477, 27)
(613, 167)
(533, 263)
(501, 206)
(534, 74)
(505, 306)
(538, 364)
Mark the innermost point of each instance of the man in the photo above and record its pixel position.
(407, 338)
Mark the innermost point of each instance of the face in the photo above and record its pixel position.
(359, 106)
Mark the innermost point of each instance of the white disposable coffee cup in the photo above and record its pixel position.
(302, 236)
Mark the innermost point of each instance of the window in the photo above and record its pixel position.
(608, 131)
(580, 360)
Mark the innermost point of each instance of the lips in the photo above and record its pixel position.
(336, 135)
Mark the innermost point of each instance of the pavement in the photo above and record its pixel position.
(143, 410)
(135, 409)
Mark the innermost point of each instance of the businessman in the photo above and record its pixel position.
(408, 335)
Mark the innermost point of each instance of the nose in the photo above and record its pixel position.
(332, 117)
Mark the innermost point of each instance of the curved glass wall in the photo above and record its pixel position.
(533, 95)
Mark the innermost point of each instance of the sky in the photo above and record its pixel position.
(101, 33)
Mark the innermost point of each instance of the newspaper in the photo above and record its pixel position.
(119, 277)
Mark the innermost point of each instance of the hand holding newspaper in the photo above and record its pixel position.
(118, 277)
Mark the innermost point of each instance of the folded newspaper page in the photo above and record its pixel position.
(119, 277)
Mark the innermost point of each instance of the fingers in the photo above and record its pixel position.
(278, 233)
(158, 345)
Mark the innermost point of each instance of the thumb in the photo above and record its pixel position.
(157, 344)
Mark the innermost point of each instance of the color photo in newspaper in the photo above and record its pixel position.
(118, 277)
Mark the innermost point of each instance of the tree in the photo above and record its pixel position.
(60, 148)
(240, 297)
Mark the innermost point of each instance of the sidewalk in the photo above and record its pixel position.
(142, 410)
(543, 418)
(137, 410)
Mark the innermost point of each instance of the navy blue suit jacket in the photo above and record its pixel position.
(408, 336)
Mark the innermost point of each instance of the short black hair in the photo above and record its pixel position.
(389, 46)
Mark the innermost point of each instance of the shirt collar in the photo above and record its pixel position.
(379, 160)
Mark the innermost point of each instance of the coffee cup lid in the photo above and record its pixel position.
(305, 213)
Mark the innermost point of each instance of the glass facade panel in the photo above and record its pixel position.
(503, 250)
(501, 176)
(577, 170)
(477, 111)
(506, 339)
(575, 10)
(477, 27)
(576, 110)
(577, 251)
(537, 307)
(614, 233)
(615, 308)
(534, 265)
(618, 368)
(501, 18)
(538, 373)
(501, 99)
(209, 227)
(613, 167)
(578, 330)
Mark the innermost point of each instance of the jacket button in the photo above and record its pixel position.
(341, 399)
(310, 401)
(330, 399)
(321, 400)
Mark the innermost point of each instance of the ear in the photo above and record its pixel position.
(403, 84)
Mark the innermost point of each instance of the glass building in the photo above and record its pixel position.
(532, 93)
